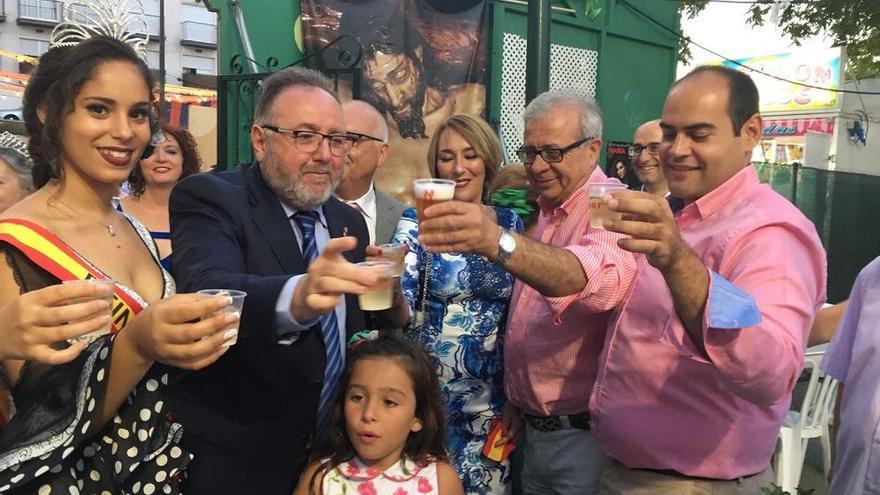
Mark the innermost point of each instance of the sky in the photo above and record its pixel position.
(722, 28)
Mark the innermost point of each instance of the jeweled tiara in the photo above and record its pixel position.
(15, 143)
(124, 20)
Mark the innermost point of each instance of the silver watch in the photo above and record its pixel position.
(506, 246)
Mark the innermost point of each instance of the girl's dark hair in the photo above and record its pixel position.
(192, 160)
(422, 447)
(53, 87)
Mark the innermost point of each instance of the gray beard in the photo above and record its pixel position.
(291, 191)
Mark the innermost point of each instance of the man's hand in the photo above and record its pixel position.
(458, 227)
(511, 424)
(328, 279)
(648, 220)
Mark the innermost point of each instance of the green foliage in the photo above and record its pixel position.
(854, 23)
(593, 9)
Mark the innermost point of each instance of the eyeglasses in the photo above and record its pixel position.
(527, 154)
(310, 141)
(637, 149)
(359, 138)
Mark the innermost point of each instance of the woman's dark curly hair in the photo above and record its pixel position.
(422, 447)
(53, 88)
(192, 160)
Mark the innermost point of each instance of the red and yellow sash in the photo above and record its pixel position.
(53, 255)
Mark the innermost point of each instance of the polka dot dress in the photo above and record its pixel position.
(135, 453)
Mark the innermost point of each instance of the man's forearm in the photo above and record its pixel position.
(552, 271)
(688, 282)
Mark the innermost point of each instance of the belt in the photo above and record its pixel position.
(675, 474)
(580, 421)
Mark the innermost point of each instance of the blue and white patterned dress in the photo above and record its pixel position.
(465, 314)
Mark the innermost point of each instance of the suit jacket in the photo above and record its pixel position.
(256, 406)
(388, 212)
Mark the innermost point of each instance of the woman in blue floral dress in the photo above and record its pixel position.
(465, 307)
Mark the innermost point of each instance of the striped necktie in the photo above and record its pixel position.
(305, 220)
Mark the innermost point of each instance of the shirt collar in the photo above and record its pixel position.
(734, 187)
(578, 195)
(403, 470)
(290, 211)
(367, 202)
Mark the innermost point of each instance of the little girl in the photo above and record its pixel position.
(387, 437)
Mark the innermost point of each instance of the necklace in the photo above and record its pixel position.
(110, 228)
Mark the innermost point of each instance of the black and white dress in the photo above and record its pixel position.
(44, 449)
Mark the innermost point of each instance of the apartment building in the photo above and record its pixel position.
(190, 35)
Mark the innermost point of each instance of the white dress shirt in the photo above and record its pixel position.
(366, 205)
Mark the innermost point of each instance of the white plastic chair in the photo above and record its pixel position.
(812, 421)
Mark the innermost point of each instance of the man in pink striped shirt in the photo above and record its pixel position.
(568, 280)
(701, 358)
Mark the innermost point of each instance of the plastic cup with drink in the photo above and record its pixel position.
(92, 336)
(599, 211)
(393, 252)
(430, 192)
(380, 296)
(237, 297)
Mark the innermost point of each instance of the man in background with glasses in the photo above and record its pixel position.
(645, 154)
(568, 280)
(369, 133)
(272, 229)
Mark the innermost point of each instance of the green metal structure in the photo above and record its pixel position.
(636, 58)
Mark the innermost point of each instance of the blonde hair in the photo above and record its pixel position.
(479, 135)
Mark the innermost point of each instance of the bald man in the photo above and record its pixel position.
(356, 188)
(646, 158)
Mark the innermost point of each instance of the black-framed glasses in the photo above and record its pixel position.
(637, 149)
(527, 154)
(362, 138)
(310, 141)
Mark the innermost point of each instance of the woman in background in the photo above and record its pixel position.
(153, 179)
(15, 170)
(464, 301)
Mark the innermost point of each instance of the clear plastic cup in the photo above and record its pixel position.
(599, 211)
(92, 336)
(429, 192)
(380, 296)
(236, 307)
(394, 253)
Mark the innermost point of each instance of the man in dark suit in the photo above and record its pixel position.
(272, 229)
(370, 131)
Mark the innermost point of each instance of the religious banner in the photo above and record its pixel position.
(423, 61)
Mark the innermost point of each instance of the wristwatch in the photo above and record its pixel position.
(506, 246)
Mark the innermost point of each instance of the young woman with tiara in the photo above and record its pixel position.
(89, 415)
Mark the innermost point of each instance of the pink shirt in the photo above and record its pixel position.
(658, 403)
(552, 343)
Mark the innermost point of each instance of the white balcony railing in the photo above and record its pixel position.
(198, 34)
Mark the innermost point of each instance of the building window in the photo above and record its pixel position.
(199, 65)
(32, 47)
(153, 59)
